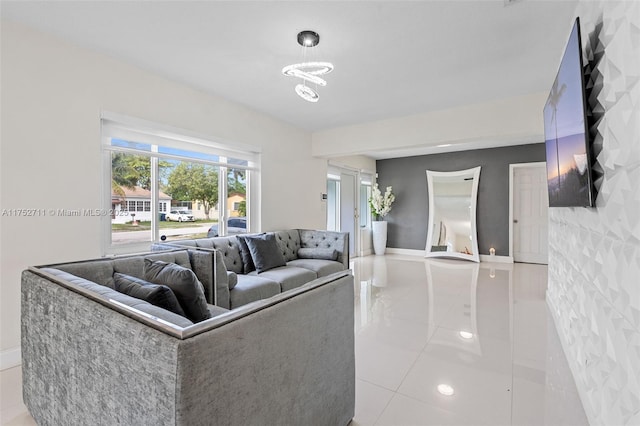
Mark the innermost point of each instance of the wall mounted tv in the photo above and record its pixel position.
(569, 177)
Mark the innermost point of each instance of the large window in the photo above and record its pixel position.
(166, 185)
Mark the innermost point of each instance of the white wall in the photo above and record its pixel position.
(52, 97)
(510, 121)
(594, 254)
(359, 162)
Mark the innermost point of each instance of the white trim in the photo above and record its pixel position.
(341, 166)
(512, 168)
(10, 358)
(160, 130)
(495, 259)
(405, 252)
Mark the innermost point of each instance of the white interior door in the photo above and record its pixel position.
(348, 208)
(530, 214)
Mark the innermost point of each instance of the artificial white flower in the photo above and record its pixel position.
(381, 205)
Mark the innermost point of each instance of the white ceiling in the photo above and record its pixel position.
(391, 58)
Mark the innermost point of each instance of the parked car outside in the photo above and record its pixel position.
(235, 226)
(181, 216)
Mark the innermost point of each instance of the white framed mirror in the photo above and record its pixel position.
(452, 214)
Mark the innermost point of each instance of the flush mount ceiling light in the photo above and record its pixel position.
(308, 72)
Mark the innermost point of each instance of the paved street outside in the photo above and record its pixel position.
(171, 233)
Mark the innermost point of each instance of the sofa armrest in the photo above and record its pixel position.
(76, 352)
(220, 277)
(202, 265)
(221, 280)
(310, 360)
(162, 247)
(339, 241)
(217, 292)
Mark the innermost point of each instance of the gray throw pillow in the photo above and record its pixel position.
(245, 253)
(184, 284)
(265, 252)
(317, 253)
(156, 294)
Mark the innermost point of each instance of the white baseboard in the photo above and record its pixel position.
(495, 259)
(405, 252)
(10, 358)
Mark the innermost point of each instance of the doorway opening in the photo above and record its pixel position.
(348, 193)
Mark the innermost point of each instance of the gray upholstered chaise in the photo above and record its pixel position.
(253, 286)
(91, 358)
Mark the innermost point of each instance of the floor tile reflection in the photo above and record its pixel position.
(482, 330)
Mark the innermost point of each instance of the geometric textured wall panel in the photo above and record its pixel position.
(594, 253)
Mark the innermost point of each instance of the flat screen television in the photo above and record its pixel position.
(569, 176)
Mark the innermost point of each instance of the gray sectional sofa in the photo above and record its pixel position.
(307, 254)
(92, 355)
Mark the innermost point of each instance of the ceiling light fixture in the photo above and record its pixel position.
(308, 72)
(308, 38)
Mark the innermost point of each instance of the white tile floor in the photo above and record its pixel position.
(507, 369)
(482, 329)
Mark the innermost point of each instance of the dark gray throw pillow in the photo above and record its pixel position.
(317, 253)
(184, 284)
(245, 254)
(265, 252)
(156, 294)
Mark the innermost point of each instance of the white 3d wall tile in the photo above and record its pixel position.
(594, 254)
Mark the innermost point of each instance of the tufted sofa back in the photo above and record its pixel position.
(289, 243)
(327, 239)
(229, 248)
(100, 271)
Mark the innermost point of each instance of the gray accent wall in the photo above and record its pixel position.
(407, 228)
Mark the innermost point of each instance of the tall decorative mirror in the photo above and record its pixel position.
(452, 214)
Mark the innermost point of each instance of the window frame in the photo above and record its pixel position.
(158, 136)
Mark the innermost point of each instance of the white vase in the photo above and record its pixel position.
(379, 228)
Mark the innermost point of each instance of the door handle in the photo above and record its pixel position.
(515, 220)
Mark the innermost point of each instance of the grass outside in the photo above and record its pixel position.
(144, 226)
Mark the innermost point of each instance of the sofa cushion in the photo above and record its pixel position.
(317, 253)
(251, 288)
(156, 294)
(110, 294)
(184, 284)
(288, 276)
(265, 252)
(320, 266)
